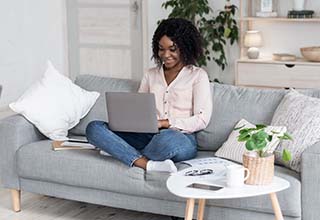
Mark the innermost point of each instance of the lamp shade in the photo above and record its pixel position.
(253, 39)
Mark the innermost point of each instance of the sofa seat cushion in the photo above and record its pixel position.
(89, 169)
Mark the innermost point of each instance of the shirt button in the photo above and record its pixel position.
(165, 102)
(166, 113)
(167, 91)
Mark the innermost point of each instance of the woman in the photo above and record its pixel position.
(183, 102)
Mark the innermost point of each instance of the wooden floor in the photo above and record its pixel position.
(38, 207)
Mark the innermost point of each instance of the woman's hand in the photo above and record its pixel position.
(164, 123)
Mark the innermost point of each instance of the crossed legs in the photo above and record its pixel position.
(136, 149)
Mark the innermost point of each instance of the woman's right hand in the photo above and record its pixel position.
(164, 123)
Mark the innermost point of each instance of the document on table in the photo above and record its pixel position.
(207, 161)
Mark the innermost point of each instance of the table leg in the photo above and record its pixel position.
(276, 206)
(189, 209)
(201, 205)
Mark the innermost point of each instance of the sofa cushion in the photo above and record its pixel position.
(230, 104)
(88, 169)
(301, 115)
(101, 85)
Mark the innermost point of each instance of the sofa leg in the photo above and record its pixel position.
(16, 200)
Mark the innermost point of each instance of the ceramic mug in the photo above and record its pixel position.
(236, 175)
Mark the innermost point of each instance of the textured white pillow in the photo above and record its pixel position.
(54, 104)
(233, 150)
(301, 115)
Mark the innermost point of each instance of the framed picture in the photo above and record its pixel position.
(266, 6)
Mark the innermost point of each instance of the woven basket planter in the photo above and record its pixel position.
(261, 169)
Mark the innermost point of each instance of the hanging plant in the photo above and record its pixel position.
(215, 31)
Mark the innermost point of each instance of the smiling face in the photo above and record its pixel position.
(169, 53)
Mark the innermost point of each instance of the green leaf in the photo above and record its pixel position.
(245, 130)
(227, 32)
(261, 144)
(286, 155)
(261, 135)
(270, 138)
(260, 126)
(275, 132)
(250, 145)
(243, 138)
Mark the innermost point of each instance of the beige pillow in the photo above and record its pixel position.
(233, 150)
(301, 115)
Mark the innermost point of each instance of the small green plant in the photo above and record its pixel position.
(257, 138)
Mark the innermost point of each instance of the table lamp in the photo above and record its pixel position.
(253, 40)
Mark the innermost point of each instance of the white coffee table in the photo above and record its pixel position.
(177, 184)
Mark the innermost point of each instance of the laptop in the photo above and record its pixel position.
(132, 112)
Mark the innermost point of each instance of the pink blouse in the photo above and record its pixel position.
(186, 102)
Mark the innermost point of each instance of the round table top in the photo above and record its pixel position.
(177, 184)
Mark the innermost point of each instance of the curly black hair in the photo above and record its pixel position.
(184, 34)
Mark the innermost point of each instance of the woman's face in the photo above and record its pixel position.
(169, 53)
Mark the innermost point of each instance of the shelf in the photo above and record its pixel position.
(285, 19)
(299, 61)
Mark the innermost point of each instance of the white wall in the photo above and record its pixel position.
(284, 37)
(32, 31)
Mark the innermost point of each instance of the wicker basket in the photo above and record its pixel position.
(261, 169)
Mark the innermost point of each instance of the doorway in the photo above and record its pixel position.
(106, 38)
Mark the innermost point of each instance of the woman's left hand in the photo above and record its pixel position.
(164, 123)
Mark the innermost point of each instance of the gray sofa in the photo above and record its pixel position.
(27, 162)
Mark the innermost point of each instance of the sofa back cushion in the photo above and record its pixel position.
(230, 104)
(101, 85)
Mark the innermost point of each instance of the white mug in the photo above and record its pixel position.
(236, 175)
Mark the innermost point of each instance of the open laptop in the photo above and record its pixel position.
(132, 112)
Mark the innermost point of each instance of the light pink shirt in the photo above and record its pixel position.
(186, 102)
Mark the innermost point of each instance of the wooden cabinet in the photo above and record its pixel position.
(265, 72)
(268, 73)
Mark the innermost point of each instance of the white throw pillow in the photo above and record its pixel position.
(54, 104)
(301, 115)
(233, 150)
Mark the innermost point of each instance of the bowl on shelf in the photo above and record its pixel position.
(311, 53)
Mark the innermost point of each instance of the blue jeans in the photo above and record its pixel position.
(128, 146)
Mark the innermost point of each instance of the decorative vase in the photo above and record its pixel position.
(261, 169)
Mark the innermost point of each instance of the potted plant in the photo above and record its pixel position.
(215, 31)
(260, 161)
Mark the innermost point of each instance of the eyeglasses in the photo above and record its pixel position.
(198, 172)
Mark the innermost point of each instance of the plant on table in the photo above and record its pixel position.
(257, 139)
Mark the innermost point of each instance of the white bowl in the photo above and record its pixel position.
(311, 53)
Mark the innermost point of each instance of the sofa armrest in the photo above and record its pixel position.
(310, 182)
(15, 131)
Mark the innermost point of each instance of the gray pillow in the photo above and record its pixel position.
(301, 115)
